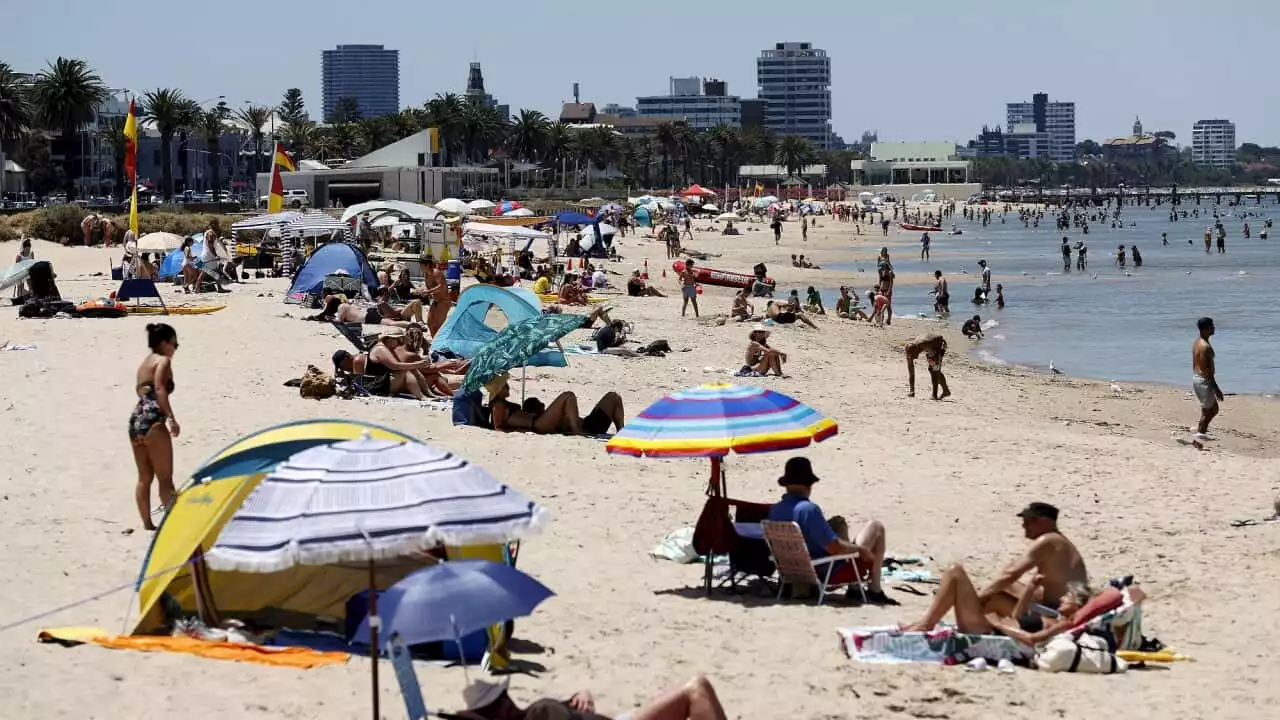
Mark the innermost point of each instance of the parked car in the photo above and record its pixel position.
(293, 199)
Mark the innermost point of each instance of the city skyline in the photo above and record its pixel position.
(947, 95)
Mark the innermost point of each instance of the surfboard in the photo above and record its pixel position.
(175, 310)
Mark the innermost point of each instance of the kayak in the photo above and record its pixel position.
(723, 278)
(918, 228)
(174, 310)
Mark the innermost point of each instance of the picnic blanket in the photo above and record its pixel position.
(942, 645)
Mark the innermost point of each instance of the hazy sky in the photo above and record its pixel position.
(917, 70)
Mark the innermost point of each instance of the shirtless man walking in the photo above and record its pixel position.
(438, 288)
(1204, 381)
(933, 347)
(1052, 556)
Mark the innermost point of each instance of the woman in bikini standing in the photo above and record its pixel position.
(152, 424)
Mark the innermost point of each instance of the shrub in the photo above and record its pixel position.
(6, 231)
(57, 222)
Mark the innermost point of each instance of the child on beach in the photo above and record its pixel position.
(813, 302)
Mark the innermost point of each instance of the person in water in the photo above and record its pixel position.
(152, 424)
(1137, 256)
(972, 328)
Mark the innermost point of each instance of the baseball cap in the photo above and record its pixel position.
(1040, 510)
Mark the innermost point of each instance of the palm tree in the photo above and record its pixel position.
(528, 136)
(317, 143)
(255, 117)
(758, 145)
(726, 150)
(298, 135)
(407, 122)
(668, 138)
(66, 97)
(211, 126)
(375, 133)
(558, 144)
(482, 129)
(112, 135)
(446, 113)
(793, 153)
(171, 112)
(15, 109)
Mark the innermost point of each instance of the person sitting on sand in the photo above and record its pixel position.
(760, 357)
(406, 377)
(934, 348)
(972, 328)
(783, 315)
(560, 417)
(695, 700)
(794, 261)
(637, 287)
(807, 265)
(847, 306)
(813, 302)
(741, 310)
(1051, 555)
(572, 292)
(411, 312)
(825, 538)
(403, 290)
(542, 286)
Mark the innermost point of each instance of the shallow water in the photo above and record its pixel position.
(1104, 323)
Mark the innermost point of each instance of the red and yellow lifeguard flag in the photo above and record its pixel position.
(131, 165)
(282, 160)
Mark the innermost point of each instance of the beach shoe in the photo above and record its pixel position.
(877, 597)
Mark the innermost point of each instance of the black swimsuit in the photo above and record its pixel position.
(147, 413)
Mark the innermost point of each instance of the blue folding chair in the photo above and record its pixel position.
(140, 288)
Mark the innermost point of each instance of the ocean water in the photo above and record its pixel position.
(1104, 323)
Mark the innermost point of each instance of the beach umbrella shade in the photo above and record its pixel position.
(507, 206)
(513, 347)
(447, 601)
(481, 205)
(453, 206)
(519, 212)
(159, 242)
(15, 274)
(728, 217)
(606, 229)
(710, 207)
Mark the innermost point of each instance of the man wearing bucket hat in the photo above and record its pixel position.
(825, 538)
(695, 700)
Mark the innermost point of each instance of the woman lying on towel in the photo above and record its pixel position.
(559, 418)
(337, 309)
(956, 592)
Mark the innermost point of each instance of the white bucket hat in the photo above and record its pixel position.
(481, 694)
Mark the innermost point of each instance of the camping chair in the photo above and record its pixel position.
(354, 333)
(140, 288)
(795, 565)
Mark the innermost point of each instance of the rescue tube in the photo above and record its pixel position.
(711, 276)
(101, 308)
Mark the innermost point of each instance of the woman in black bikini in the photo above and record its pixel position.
(152, 424)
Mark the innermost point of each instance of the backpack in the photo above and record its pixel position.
(1084, 654)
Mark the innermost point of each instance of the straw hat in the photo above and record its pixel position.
(391, 332)
(480, 694)
(495, 385)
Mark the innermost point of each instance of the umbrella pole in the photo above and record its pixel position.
(715, 488)
(523, 372)
(374, 621)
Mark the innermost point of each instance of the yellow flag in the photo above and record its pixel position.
(133, 211)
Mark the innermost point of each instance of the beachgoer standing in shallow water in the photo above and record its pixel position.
(924, 247)
(152, 424)
(1208, 240)
(1066, 255)
(689, 288)
(1205, 379)
(1120, 256)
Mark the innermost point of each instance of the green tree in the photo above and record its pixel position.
(112, 135)
(1088, 148)
(446, 113)
(292, 109)
(255, 119)
(375, 133)
(528, 136)
(171, 112)
(667, 137)
(35, 156)
(346, 111)
(211, 124)
(482, 130)
(298, 135)
(793, 153)
(559, 143)
(727, 151)
(66, 97)
(15, 110)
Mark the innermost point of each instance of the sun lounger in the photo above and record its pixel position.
(795, 565)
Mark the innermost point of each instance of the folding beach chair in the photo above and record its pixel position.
(139, 288)
(354, 333)
(795, 565)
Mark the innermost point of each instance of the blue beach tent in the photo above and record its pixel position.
(171, 266)
(465, 332)
(327, 260)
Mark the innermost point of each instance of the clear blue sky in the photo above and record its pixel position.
(918, 70)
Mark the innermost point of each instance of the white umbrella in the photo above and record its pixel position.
(159, 242)
(481, 205)
(728, 217)
(710, 207)
(386, 220)
(519, 212)
(453, 206)
(607, 229)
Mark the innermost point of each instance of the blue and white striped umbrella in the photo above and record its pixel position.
(273, 220)
(369, 499)
(310, 224)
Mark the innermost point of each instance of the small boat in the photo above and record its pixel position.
(711, 276)
(173, 309)
(918, 228)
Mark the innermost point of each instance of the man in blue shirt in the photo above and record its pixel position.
(825, 538)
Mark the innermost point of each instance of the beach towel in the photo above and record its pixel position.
(942, 645)
(295, 657)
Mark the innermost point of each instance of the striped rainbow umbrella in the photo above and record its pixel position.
(711, 420)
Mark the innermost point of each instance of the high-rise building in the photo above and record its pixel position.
(369, 74)
(1213, 142)
(1057, 120)
(702, 105)
(476, 94)
(795, 79)
(754, 111)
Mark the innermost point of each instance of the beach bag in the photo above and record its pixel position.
(317, 384)
(1085, 654)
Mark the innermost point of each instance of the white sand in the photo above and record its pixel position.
(946, 478)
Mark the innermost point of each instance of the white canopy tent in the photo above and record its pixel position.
(379, 207)
(266, 222)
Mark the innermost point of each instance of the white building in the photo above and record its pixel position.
(905, 163)
(703, 105)
(794, 78)
(1056, 119)
(1213, 142)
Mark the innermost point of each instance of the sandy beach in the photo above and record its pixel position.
(946, 478)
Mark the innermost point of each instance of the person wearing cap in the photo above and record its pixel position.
(1205, 379)
(760, 357)
(934, 348)
(825, 538)
(696, 700)
(1057, 566)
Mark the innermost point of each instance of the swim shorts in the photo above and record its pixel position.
(1204, 392)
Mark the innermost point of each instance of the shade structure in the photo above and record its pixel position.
(315, 223)
(15, 274)
(453, 206)
(369, 499)
(159, 242)
(712, 420)
(481, 205)
(696, 189)
(266, 221)
(516, 345)
(453, 599)
(411, 210)
(728, 217)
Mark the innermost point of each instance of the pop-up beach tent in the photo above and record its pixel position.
(466, 331)
(327, 260)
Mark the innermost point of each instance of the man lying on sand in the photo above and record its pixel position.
(1053, 557)
(489, 701)
(825, 538)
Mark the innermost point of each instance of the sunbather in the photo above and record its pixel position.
(741, 310)
(572, 292)
(696, 700)
(383, 360)
(412, 311)
(760, 357)
(560, 417)
(782, 315)
(336, 308)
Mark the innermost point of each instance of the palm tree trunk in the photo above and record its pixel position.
(68, 162)
(166, 166)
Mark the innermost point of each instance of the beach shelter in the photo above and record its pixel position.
(466, 330)
(696, 189)
(642, 217)
(570, 217)
(171, 266)
(327, 260)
